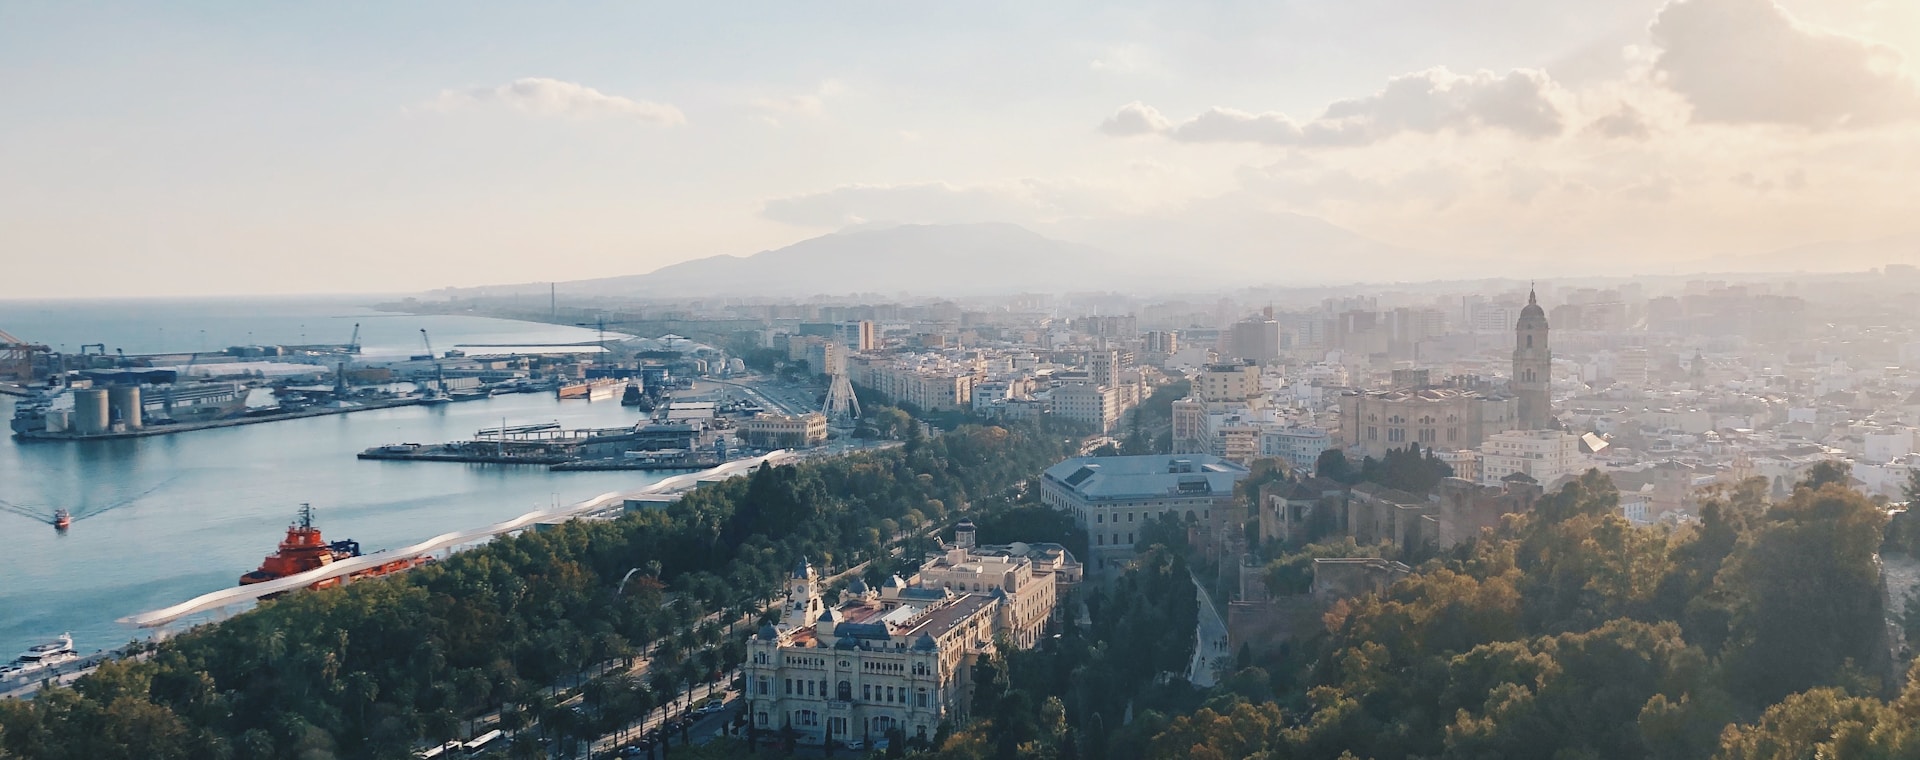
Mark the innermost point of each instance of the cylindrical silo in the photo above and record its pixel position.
(125, 400)
(90, 413)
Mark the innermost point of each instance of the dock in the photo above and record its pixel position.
(467, 453)
(186, 427)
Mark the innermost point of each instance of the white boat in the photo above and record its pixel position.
(43, 656)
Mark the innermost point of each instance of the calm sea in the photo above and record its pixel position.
(216, 501)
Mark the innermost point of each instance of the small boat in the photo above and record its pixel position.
(62, 519)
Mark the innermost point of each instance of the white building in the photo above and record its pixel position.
(1547, 456)
(1089, 404)
(1298, 446)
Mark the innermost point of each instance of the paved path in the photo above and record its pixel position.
(1210, 642)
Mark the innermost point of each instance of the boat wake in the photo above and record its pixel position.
(51, 515)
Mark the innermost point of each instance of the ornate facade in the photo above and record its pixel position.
(900, 657)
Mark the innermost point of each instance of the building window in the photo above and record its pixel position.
(765, 685)
(845, 693)
(1129, 538)
(922, 699)
(1100, 539)
(760, 718)
(866, 692)
(789, 686)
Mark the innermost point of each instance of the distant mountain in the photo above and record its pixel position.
(1826, 256)
(1211, 245)
(933, 259)
(1203, 248)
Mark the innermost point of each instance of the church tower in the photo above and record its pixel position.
(1532, 368)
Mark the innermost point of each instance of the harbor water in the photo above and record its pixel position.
(159, 520)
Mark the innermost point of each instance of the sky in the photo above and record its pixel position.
(191, 148)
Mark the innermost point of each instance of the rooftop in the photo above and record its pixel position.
(1148, 475)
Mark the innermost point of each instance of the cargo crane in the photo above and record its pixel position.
(438, 392)
(16, 357)
(353, 344)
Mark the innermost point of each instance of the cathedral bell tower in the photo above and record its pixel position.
(1532, 368)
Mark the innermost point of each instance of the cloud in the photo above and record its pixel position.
(1523, 102)
(810, 105)
(1135, 118)
(1022, 201)
(540, 96)
(1750, 62)
(1628, 123)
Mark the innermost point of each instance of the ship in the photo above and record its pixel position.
(41, 657)
(591, 390)
(198, 402)
(62, 519)
(304, 549)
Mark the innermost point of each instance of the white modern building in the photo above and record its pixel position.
(1547, 456)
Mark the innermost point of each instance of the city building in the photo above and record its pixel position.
(780, 431)
(1549, 457)
(1256, 339)
(1445, 419)
(1227, 383)
(901, 657)
(1110, 497)
(1090, 404)
(1299, 446)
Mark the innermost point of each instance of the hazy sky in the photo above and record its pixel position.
(178, 148)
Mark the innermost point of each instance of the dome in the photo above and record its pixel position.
(1533, 310)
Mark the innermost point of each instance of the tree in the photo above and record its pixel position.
(1333, 465)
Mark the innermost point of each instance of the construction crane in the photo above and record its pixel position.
(353, 344)
(439, 374)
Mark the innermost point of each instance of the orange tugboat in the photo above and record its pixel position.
(303, 549)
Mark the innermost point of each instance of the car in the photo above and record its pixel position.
(711, 707)
(856, 744)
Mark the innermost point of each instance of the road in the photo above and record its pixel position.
(1210, 642)
(788, 399)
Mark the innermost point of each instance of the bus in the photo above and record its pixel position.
(480, 742)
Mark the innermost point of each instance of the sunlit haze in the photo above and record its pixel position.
(202, 148)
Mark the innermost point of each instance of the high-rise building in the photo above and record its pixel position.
(1532, 368)
(1256, 339)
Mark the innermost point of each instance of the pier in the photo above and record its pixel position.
(185, 427)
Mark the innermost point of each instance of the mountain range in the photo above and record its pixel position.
(1198, 251)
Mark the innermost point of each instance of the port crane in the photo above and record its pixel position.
(16, 357)
(353, 344)
(439, 373)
